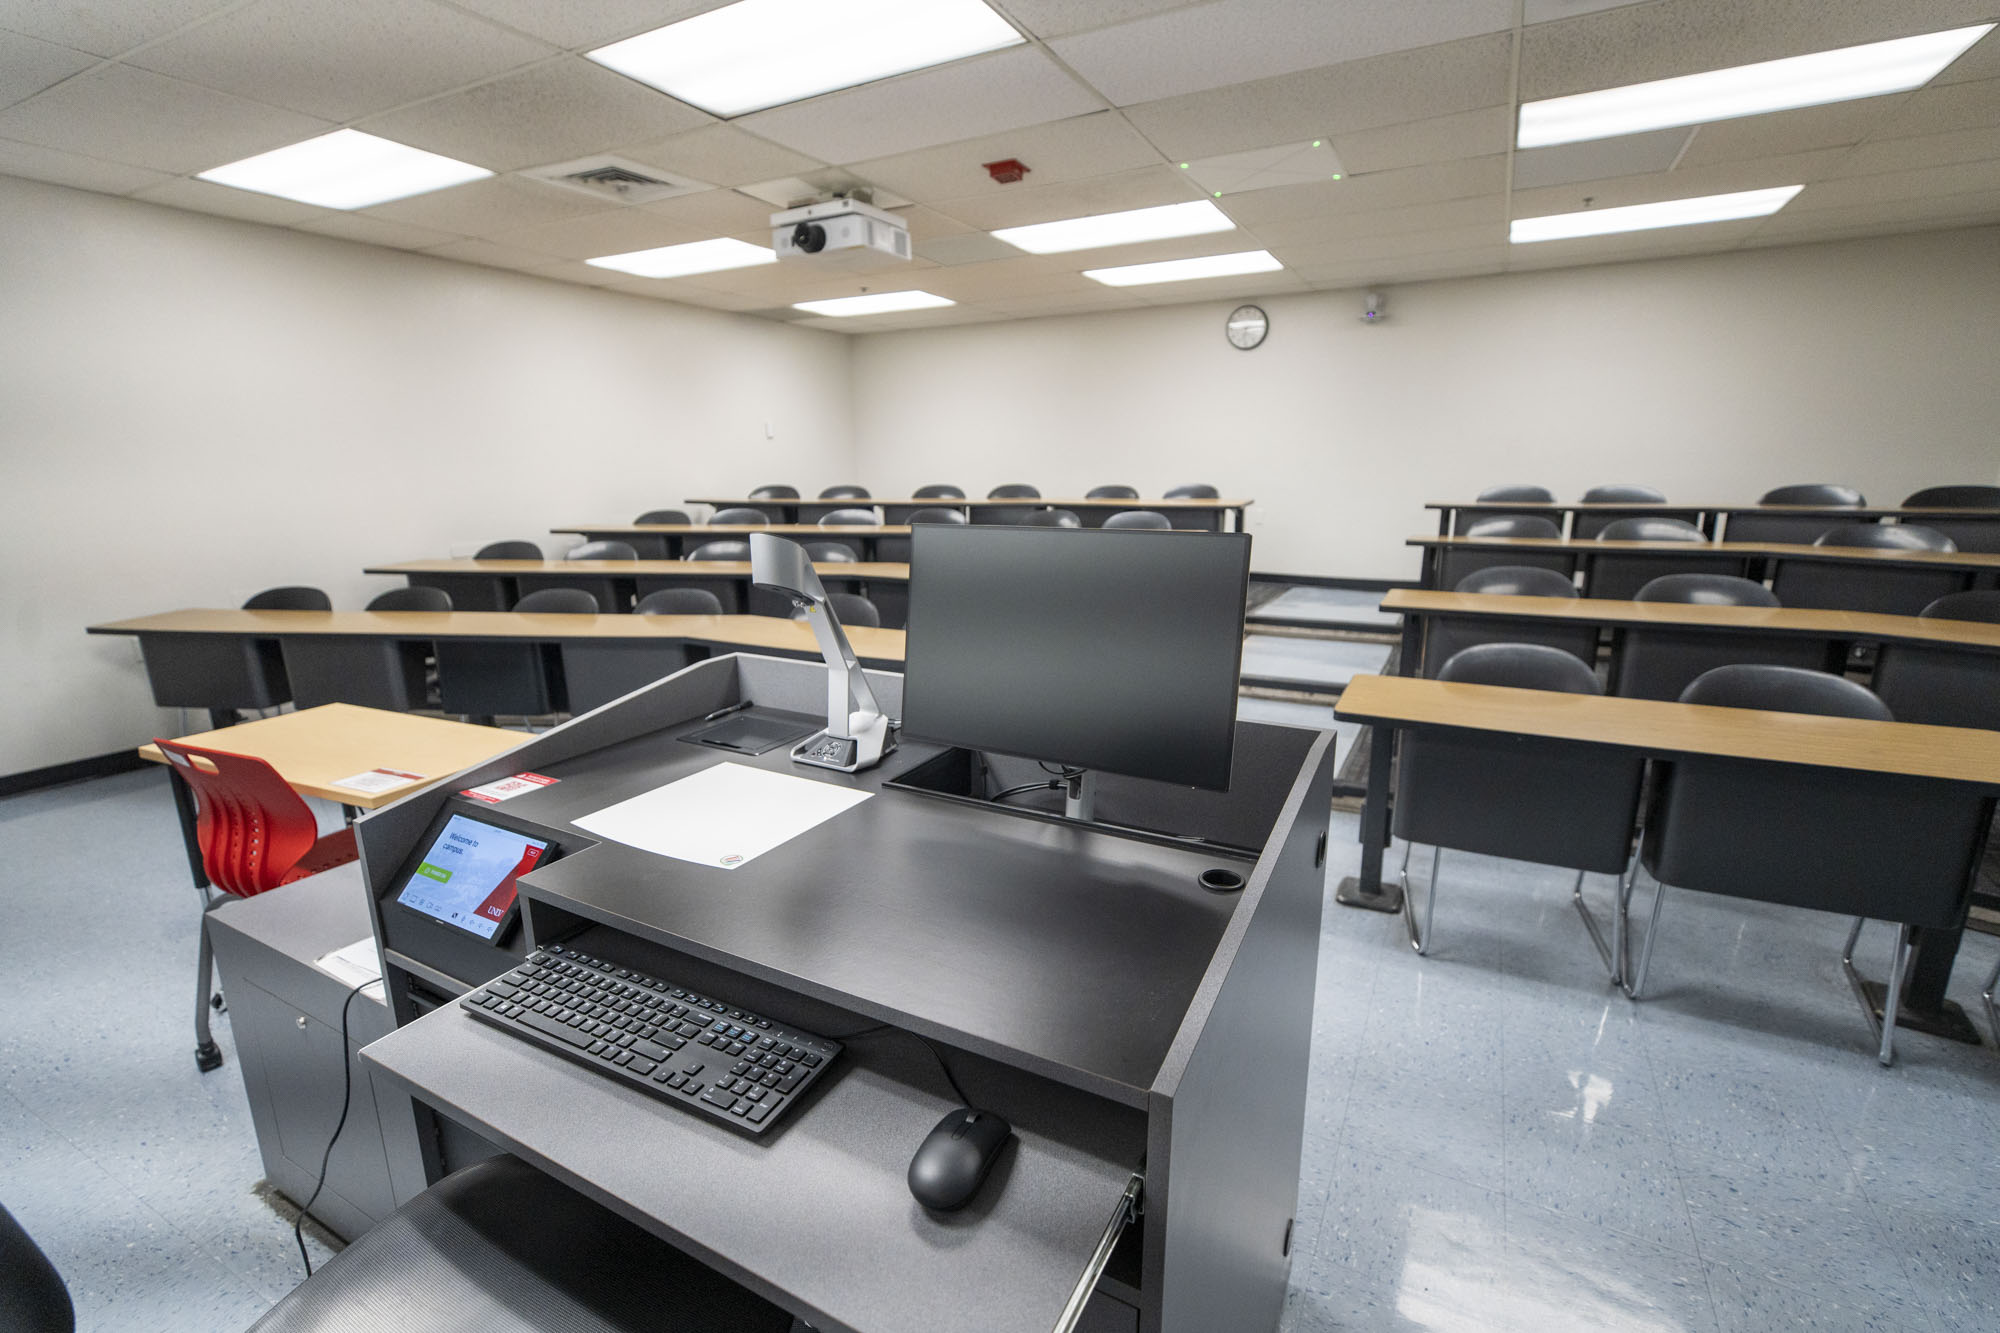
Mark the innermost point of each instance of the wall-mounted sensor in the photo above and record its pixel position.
(1372, 311)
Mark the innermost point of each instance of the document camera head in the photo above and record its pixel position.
(783, 567)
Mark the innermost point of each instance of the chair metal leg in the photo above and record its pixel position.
(1420, 940)
(1992, 1012)
(207, 1055)
(1853, 976)
(1613, 951)
(1638, 987)
(1894, 996)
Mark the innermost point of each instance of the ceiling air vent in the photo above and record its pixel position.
(617, 180)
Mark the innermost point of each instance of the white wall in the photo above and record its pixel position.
(192, 409)
(1875, 363)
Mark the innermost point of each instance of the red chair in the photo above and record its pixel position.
(255, 833)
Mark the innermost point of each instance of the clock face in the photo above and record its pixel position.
(1247, 326)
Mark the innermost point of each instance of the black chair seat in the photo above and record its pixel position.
(1446, 636)
(508, 551)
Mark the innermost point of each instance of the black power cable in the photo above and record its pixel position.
(936, 1054)
(346, 1099)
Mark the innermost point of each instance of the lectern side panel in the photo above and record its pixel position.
(1228, 1115)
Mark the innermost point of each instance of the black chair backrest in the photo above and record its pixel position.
(1517, 581)
(679, 602)
(601, 551)
(1651, 530)
(676, 516)
(1139, 518)
(1706, 590)
(1886, 537)
(829, 553)
(1982, 604)
(1014, 490)
(775, 493)
(1783, 689)
(412, 599)
(845, 493)
(936, 516)
(1631, 495)
(509, 551)
(289, 599)
(1517, 495)
(1956, 497)
(563, 601)
(1516, 525)
(937, 493)
(851, 609)
(719, 551)
(1200, 490)
(754, 517)
(851, 518)
(1813, 493)
(1522, 666)
(1052, 518)
(1111, 493)
(32, 1296)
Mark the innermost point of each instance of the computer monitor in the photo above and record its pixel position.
(1114, 650)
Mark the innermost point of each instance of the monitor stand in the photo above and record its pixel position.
(1080, 797)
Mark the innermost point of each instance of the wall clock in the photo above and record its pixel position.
(1246, 327)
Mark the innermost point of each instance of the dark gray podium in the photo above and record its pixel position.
(1147, 1037)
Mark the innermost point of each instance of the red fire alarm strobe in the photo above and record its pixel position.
(1006, 171)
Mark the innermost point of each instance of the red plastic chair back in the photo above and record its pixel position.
(253, 828)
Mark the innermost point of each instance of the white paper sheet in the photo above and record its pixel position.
(352, 964)
(379, 780)
(725, 816)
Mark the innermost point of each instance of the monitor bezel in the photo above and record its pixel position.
(453, 809)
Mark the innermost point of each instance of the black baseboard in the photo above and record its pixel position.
(1328, 581)
(77, 770)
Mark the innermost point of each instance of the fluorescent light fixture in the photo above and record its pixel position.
(678, 261)
(879, 303)
(1181, 270)
(1747, 90)
(762, 53)
(1138, 224)
(345, 169)
(1645, 217)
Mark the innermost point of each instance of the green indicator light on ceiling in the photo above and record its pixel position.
(1318, 142)
(1218, 194)
(1184, 166)
(1336, 175)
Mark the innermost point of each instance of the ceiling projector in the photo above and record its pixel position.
(843, 234)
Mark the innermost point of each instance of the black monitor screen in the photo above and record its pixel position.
(1108, 649)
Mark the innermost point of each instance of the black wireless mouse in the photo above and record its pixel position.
(953, 1161)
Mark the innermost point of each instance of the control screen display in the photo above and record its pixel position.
(468, 876)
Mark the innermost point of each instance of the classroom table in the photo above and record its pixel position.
(1221, 515)
(670, 541)
(1973, 527)
(1663, 731)
(495, 585)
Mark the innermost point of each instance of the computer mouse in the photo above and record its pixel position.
(954, 1160)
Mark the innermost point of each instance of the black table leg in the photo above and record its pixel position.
(1367, 889)
(1924, 1007)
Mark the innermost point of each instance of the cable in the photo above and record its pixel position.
(936, 1054)
(1026, 786)
(346, 1098)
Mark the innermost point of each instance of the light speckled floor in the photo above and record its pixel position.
(1342, 608)
(1310, 663)
(1496, 1140)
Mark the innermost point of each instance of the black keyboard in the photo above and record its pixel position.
(725, 1063)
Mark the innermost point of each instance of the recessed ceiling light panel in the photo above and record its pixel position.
(763, 53)
(878, 303)
(1138, 224)
(1747, 90)
(678, 261)
(1182, 270)
(1646, 217)
(345, 169)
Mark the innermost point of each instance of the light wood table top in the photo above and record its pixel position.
(948, 503)
(1954, 754)
(747, 632)
(734, 530)
(1669, 507)
(315, 747)
(1683, 615)
(713, 569)
(1780, 550)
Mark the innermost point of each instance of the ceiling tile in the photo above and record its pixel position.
(1638, 43)
(1235, 41)
(34, 162)
(1955, 209)
(565, 108)
(1958, 106)
(1018, 205)
(587, 25)
(1306, 258)
(963, 100)
(1011, 278)
(1058, 18)
(1626, 155)
(1929, 150)
(722, 155)
(341, 61)
(1782, 132)
(491, 255)
(1684, 183)
(28, 65)
(206, 197)
(1336, 101)
(148, 120)
(965, 247)
(1324, 228)
(1301, 163)
(1920, 184)
(100, 27)
(496, 204)
(375, 231)
(1057, 152)
(615, 232)
(1546, 11)
(1216, 289)
(1332, 274)
(1981, 62)
(1438, 139)
(716, 213)
(1382, 189)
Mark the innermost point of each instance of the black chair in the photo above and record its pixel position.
(775, 493)
(1447, 636)
(851, 518)
(32, 1296)
(1519, 525)
(1111, 493)
(1554, 803)
(1831, 839)
(830, 553)
(1624, 495)
(411, 599)
(508, 551)
(601, 551)
(1139, 518)
(1890, 589)
(1754, 527)
(897, 549)
(755, 518)
(391, 674)
(1463, 520)
(849, 609)
(722, 550)
(1971, 534)
(1014, 491)
(1009, 513)
(670, 516)
(289, 599)
(679, 602)
(500, 1247)
(937, 492)
(1051, 518)
(611, 592)
(491, 679)
(1943, 686)
(1455, 564)
(1621, 576)
(1954, 497)
(234, 673)
(845, 493)
(1200, 490)
(1658, 662)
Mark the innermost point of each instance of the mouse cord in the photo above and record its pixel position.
(936, 1054)
(346, 1099)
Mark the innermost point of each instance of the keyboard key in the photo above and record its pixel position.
(757, 1114)
(638, 1064)
(650, 1050)
(552, 1028)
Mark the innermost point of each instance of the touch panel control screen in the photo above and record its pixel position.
(468, 877)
